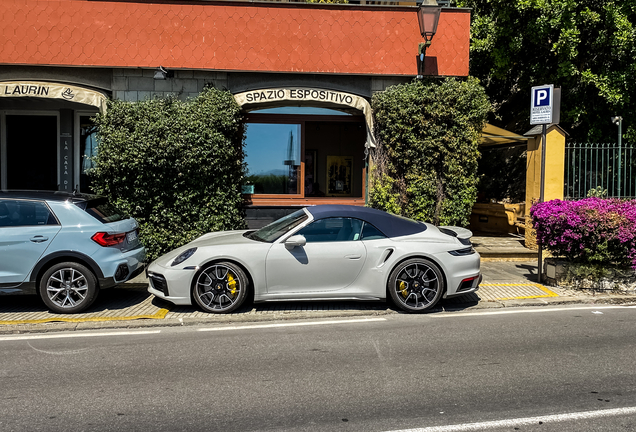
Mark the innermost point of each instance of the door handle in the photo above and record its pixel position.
(39, 239)
(354, 257)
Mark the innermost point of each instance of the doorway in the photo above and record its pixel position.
(31, 152)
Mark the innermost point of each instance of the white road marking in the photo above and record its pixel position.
(516, 311)
(297, 324)
(597, 312)
(526, 421)
(76, 335)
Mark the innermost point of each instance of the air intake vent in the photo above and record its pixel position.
(159, 283)
(465, 242)
(121, 273)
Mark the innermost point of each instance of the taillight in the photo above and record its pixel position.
(105, 239)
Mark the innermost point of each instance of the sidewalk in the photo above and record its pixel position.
(510, 280)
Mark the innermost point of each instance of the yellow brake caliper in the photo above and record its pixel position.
(403, 289)
(231, 283)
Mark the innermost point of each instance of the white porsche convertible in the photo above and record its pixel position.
(322, 252)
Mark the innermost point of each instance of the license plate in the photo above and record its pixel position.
(131, 236)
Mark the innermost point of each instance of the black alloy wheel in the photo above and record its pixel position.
(416, 285)
(220, 288)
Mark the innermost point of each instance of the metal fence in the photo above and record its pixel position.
(595, 165)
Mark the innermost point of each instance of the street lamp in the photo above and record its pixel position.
(618, 121)
(428, 17)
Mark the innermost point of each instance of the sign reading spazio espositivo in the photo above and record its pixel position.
(299, 94)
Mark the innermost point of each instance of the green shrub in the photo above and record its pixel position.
(175, 166)
(426, 160)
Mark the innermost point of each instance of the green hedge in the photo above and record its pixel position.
(175, 166)
(425, 165)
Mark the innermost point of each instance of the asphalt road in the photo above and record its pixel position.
(547, 369)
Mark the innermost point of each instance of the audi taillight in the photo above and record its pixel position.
(105, 239)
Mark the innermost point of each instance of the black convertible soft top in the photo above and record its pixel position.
(390, 225)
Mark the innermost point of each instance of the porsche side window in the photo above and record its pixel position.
(332, 230)
(369, 232)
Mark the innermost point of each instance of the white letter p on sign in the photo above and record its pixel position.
(541, 95)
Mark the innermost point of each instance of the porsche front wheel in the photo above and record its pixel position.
(416, 285)
(220, 288)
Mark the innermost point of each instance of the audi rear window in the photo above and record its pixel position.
(102, 210)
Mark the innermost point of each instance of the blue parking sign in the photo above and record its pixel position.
(542, 104)
(542, 96)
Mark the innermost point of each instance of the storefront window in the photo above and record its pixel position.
(273, 158)
(88, 150)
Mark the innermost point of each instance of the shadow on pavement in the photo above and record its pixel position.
(133, 299)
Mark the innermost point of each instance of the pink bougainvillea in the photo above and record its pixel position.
(591, 230)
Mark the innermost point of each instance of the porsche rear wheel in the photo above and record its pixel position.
(220, 288)
(416, 285)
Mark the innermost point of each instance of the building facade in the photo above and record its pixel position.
(303, 74)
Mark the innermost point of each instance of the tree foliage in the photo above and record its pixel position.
(425, 165)
(586, 47)
(175, 166)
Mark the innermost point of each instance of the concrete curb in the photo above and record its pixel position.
(223, 320)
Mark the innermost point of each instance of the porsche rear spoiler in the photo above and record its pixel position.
(462, 234)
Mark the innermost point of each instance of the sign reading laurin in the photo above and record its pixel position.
(32, 90)
(50, 90)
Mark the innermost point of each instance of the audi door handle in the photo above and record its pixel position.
(39, 239)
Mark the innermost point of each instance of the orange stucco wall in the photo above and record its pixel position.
(268, 37)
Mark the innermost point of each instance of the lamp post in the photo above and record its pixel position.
(618, 120)
(428, 18)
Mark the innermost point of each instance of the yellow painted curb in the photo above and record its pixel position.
(160, 314)
(547, 292)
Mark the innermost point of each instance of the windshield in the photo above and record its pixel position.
(279, 227)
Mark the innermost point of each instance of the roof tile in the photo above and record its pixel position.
(230, 36)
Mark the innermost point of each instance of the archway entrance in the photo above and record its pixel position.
(306, 146)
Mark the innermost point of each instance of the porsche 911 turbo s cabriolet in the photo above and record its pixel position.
(324, 252)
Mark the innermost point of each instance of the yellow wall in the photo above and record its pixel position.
(554, 170)
(554, 167)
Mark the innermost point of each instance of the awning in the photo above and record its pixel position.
(302, 96)
(49, 90)
(493, 136)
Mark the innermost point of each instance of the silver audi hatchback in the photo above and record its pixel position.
(65, 247)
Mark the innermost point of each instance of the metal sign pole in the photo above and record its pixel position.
(545, 107)
(542, 195)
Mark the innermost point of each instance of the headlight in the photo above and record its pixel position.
(183, 256)
(462, 252)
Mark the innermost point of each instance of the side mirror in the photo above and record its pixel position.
(296, 240)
